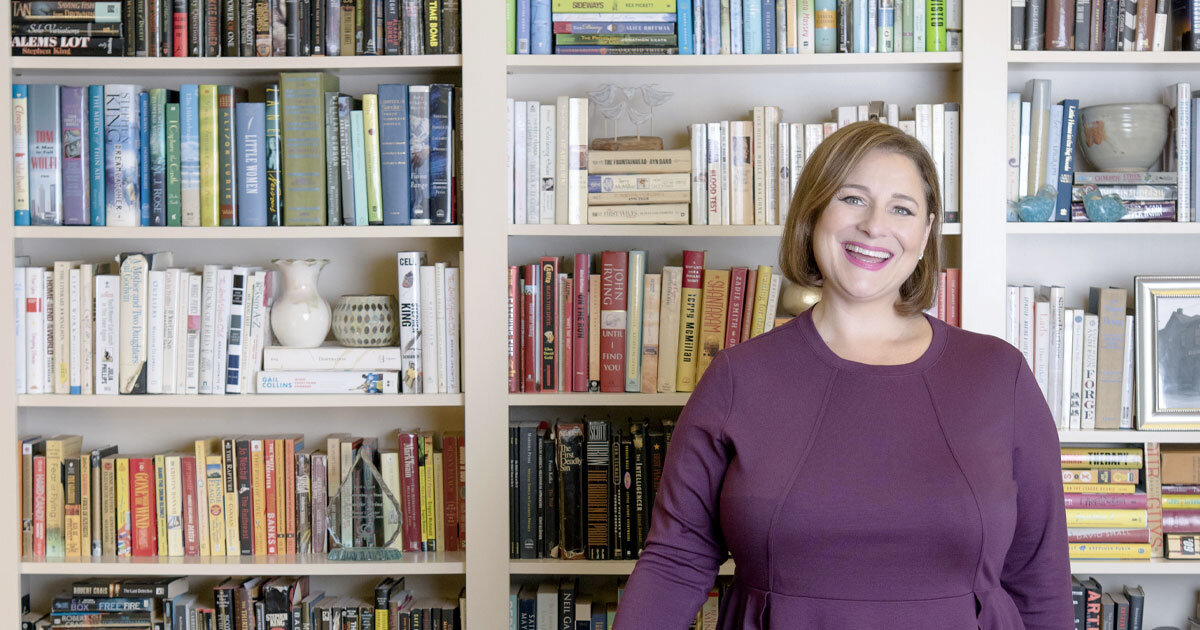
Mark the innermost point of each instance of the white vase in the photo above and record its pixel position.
(300, 317)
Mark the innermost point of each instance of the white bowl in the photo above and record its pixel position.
(1123, 136)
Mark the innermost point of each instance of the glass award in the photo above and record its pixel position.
(364, 516)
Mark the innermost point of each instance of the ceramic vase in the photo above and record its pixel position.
(365, 321)
(300, 316)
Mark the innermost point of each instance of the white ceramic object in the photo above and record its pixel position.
(1123, 136)
(300, 317)
(365, 321)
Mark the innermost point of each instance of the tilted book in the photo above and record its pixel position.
(672, 287)
(712, 317)
(633, 329)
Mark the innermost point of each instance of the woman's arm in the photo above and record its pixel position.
(685, 547)
(1037, 571)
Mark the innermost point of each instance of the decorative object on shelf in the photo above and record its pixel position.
(352, 515)
(1168, 352)
(615, 102)
(365, 321)
(1102, 208)
(1123, 137)
(795, 299)
(300, 317)
(1037, 208)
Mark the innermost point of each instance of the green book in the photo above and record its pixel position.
(935, 26)
(174, 173)
(227, 97)
(358, 160)
(510, 27)
(303, 123)
(209, 182)
(371, 154)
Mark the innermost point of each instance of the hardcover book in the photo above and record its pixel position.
(302, 114)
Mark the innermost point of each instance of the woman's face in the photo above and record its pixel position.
(868, 239)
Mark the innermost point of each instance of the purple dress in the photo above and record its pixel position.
(852, 496)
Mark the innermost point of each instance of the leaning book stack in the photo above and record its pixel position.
(1104, 25)
(241, 496)
(555, 604)
(1106, 499)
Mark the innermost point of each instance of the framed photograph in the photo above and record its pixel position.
(1168, 352)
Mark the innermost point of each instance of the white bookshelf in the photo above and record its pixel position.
(442, 563)
(242, 401)
(336, 232)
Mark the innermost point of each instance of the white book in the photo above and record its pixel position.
(389, 468)
(1091, 335)
(1178, 98)
(783, 170)
(47, 327)
(712, 143)
(332, 357)
(577, 173)
(156, 322)
(246, 363)
(562, 155)
(772, 301)
(1041, 346)
(1012, 148)
(533, 162)
(221, 329)
(1012, 319)
(547, 152)
(353, 382)
(170, 319)
(1025, 338)
(261, 299)
(547, 606)
(108, 317)
(454, 333)
(668, 327)
(75, 330)
(759, 164)
(19, 342)
(950, 171)
(893, 114)
(173, 480)
(1053, 145)
(35, 331)
(429, 357)
(239, 296)
(508, 158)
(520, 162)
(1023, 151)
(813, 134)
(918, 33)
(1159, 43)
(806, 21)
(208, 329)
(87, 328)
(182, 286)
(134, 329)
(726, 180)
(1127, 377)
(408, 273)
(796, 163)
(699, 142)
(1076, 384)
(909, 127)
(195, 311)
(845, 115)
(1063, 410)
(923, 112)
(1057, 297)
(937, 141)
(439, 330)
(771, 169)
(62, 324)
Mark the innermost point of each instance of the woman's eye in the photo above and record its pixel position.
(852, 199)
(903, 210)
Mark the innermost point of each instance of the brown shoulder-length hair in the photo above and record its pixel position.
(825, 172)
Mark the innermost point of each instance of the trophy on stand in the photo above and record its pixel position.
(614, 103)
(364, 516)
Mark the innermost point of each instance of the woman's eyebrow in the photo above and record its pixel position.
(867, 190)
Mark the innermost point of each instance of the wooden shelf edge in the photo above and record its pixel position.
(1155, 228)
(722, 231)
(233, 401)
(518, 63)
(585, 400)
(584, 567)
(1071, 57)
(63, 232)
(442, 563)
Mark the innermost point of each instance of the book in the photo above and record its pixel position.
(689, 321)
(310, 382)
(613, 320)
(302, 123)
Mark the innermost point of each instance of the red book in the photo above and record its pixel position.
(582, 329)
(1181, 521)
(532, 331)
(613, 282)
(179, 23)
(289, 492)
(941, 295)
(142, 513)
(548, 307)
(462, 491)
(748, 304)
(269, 480)
(514, 329)
(39, 506)
(737, 300)
(191, 512)
(1116, 501)
(410, 505)
(953, 288)
(1108, 535)
(566, 356)
(450, 491)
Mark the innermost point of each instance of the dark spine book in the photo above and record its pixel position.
(393, 153)
(527, 489)
(180, 28)
(656, 445)
(369, 41)
(598, 475)
(566, 603)
(277, 609)
(539, 488)
(514, 494)
(433, 27)
(450, 22)
(378, 27)
(615, 503)
(441, 106)
(245, 505)
(274, 158)
(1108, 611)
(348, 29)
(843, 26)
(247, 27)
(212, 27)
(223, 602)
(260, 615)
(305, 9)
(227, 97)
(628, 507)
(158, 153)
(1035, 22)
(303, 490)
(359, 21)
(1017, 26)
(1066, 165)
(128, 26)
(292, 11)
(333, 27)
(154, 34)
(317, 25)
(410, 30)
(549, 294)
(345, 160)
(391, 27)
(141, 7)
(333, 162)
(144, 165)
(382, 591)
(641, 479)
(1111, 24)
(571, 491)
(167, 30)
(230, 28)
(549, 491)
(262, 28)
(1093, 593)
(279, 30)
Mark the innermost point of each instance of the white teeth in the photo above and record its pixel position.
(867, 252)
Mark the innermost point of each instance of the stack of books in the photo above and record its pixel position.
(1129, 25)
(1082, 358)
(561, 605)
(1096, 609)
(697, 27)
(233, 28)
(631, 187)
(1181, 502)
(1043, 149)
(201, 156)
(1107, 508)
(241, 496)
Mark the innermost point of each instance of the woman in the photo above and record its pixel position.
(867, 466)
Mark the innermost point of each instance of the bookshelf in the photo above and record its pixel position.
(990, 252)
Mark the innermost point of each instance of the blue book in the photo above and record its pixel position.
(393, 153)
(96, 153)
(75, 176)
(539, 27)
(768, 27)
(599, 620)
(189, 154)
(752, 25)
(859, 38)
(250, 119)
(712, 27)
(1066, 167)
(418, 153)
(122, 148)
(524, 24)
(683, 22)
(358, 157)
(45, 154)
(825, 37)
(158, 156)
(144, 156)
(20, 109)
(441, 106)
(735, 26)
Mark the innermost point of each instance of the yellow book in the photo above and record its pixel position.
(281, 487)
(173, 482)
(1093, 457)
(62, 326)
(428, 527)
(71, 498)
(215, 485)
(1181, 501)
(689, 320)
(108, 502)
(1118, 551)
(258, 476)
(762, 294)
(370, 109)
(1099, 488)
(58, 449)
(613, 6)
(439, 520)
(160, 502)
(124, 523)
(202, 448)
(233, 541)
(85, 503)
(210, 186)
(1105, 518)
(712, 317)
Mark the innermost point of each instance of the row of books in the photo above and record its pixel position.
(233, 28)
(1082, 358)
(1096, 609)
(202, 156)
(142, 326)
(563, 604)
(1128, 25)
(242, 604)
(1107, 509)
(751, 27)
(242, 496)
(1044, 152)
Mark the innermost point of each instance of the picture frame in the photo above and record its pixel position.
(1167, 325)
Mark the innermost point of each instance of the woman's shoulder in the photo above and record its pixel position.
(969, 350)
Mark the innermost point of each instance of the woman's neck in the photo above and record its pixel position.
(845, 324)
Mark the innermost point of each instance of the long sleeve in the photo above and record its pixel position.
(685, 547)
(1037, 571)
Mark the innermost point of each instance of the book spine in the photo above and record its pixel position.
(227, 97)
(124, 531)
(333, 161)
(651, 304)
(156, 323)
(514, 329)
(577, 160)
(370, 114)
(411, 326)
(235, 345)
(418, 146)
(251, 207)
(712, 317)
(272, 139)
(75, 137)
(441, 106)
(144, 156)
(133, 329)
(142, 508)
(189, 154)
(210, 183)
(303, 126)
(572, 515)
(689, 320)
(453, 312)
(393, 153)
(20, 148)
(214, 490)
(582, 323)
(224, 302)
(635, 288)
(271, 480)
(613, 318)
(346, 155)
(173, 164)
(410, 504)
(45, 155)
